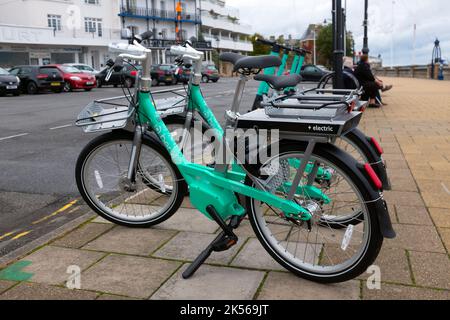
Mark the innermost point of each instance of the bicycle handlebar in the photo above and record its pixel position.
(288, 48)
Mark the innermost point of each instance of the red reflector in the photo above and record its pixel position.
(373, 176)
(42, 76)
(377, 146)
(351, 107)
(133, 73)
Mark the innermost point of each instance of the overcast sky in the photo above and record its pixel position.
(293, 16)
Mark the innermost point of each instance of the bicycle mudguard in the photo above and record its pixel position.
(377, 203)
(379, 166)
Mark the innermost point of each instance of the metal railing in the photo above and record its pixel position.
(149, 13)
(167, 43)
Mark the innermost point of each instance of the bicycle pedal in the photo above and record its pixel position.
(225, 243)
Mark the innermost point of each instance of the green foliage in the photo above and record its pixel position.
(324, 45)
(258, 48)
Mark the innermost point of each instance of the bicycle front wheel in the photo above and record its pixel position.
(101, 175)
(319, 251)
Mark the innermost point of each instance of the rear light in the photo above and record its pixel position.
(351, 106)
(133, 73)
(377, 146)
(42, 76)
(373, 176)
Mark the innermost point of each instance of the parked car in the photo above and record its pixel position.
(75, 79)
(183, 74)
(127, 77)
(9, 84)
(210, 73)
(34, 79)
(313, 73)
(83, 68)
(163, 73)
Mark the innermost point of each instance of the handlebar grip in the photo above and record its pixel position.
(266, 42)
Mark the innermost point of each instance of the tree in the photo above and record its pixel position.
(258, 48)
(324, 45)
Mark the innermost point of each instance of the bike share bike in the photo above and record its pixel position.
(364, 149)
(295, 212)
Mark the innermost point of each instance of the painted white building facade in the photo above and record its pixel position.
(58, 31)
(221, 25)
(160, 17)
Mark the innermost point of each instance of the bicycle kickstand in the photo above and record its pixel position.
(223, 242)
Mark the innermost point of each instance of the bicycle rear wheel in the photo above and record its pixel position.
(101, 174)
(325, 253)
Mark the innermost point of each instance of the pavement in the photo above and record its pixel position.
(39, 147)
(116, 263)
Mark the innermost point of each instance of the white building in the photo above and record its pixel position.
(57, 31)
(160, 17)
(221, 26)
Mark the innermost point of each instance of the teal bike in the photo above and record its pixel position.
(137, 174)
(361, 147)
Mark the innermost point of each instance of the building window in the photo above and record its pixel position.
(54, 21)
(92, 1)
(94, 26)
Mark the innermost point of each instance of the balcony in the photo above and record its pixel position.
(225, 24)
(162, 15)
(167, 43)
(220, 8)
(225, 43)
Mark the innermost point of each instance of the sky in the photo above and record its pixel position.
(391, 24)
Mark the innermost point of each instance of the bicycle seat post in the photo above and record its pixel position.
(232, 115)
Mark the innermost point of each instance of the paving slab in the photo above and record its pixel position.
(131, 241)
(398, 292)
(445, 234)
(82, 236)
(211, 283)
(5, 285)
(431, 269)
(128, 276)
(441, 217)
(413, 215)
(187, 246)
(101, 220)
(286, 286)
(254, 256)
(412, 199)
(189, 220)
(35, 291)
(416, 238)
(50, 264)
(109, 297)
(394, 266)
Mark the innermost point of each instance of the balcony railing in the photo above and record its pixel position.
(155, 14)
(167, 43)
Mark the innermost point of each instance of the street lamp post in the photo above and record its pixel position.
(338, 27)
(365, 49)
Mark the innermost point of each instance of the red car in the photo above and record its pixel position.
(75, 79)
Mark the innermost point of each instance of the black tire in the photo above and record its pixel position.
(215, 81)
(373, 247)
(88, 90)
(32, 88)
(154, 83)
(99, 83)
(149, 142)
(205, 79)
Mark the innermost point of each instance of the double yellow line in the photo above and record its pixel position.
(25, 233)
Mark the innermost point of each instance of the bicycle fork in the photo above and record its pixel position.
(130, 182)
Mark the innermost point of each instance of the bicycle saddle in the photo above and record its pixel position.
(241, 62)
(280, 82)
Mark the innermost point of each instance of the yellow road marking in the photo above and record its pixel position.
(66, 207)
(6, 235)
(21, 235)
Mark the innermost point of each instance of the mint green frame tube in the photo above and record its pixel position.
(207, 186)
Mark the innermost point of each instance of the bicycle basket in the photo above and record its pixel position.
(105, 115)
